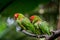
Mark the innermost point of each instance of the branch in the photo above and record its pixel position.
(29, 34)
(55, 35)
(33, 35)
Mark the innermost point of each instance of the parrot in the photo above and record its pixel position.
(40, 24)
(24, 22)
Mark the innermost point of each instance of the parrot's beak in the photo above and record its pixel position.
(16, 16)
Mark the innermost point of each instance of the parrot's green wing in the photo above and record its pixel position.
(26, 23)
(37, 29)
(19, 23)
(44, 27)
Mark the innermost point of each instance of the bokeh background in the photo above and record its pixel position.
(46, 9)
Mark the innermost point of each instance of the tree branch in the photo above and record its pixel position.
(55, 35)
(51, 37)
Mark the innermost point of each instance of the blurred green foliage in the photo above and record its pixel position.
(22, 6)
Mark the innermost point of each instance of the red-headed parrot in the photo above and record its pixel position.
(24, 22)
(40, 24)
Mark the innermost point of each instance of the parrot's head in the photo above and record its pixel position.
(18, 15)
(34, 18)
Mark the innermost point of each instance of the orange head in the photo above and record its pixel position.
(35, 18)
(32, 18)
(16, 16)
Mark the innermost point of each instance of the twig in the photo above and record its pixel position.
(33, 35)
(29, 34)
(51, 37)
(55, 35)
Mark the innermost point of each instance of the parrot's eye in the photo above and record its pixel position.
(32, 18)
(16, 15)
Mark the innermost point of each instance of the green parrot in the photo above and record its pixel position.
(40, 24)
(24, 22)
